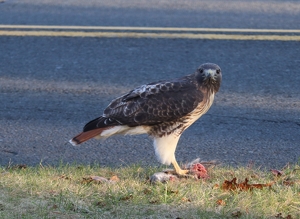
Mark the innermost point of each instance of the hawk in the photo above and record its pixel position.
(163, 110)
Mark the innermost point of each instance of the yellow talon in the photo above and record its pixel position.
(178, 170)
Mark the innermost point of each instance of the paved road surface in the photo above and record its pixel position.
(51, 86)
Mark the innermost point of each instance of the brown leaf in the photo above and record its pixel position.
(126, 197)
(173, 191)
(288, 183)
(279, 215)
(221, 202)
(184, 199)
(64, 177)
(244, 186)
(114, 178)
(153, 201)
(229, 185)
(101, 204)
(216, 186)
(147, 191)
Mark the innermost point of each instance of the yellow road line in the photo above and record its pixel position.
(166, 29)
(150, 35)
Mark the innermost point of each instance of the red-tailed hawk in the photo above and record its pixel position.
(161, 109)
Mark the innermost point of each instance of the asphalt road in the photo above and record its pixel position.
(51, 86)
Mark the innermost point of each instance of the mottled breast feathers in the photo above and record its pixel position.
(155, 103)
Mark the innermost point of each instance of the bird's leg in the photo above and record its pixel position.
(178, 170)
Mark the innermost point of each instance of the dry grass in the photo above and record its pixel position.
(66, 192)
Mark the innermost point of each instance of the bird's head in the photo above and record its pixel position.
(209, 75)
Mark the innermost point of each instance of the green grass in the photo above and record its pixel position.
(62, 192)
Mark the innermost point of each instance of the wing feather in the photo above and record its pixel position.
(156, 102)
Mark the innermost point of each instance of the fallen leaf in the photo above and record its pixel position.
(184, 199)
(229, 185)
(114, 178)
(288, 183)
(153, 201)
(221, 202)
(147, 191)
(173, 191)
(244, 186)
(254, 176)
(279, 215)
(216, 186)
(126, 197)
(64, 177)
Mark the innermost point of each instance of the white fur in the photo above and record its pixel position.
(165, 148)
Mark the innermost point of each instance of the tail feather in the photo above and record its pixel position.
(94, 128)
(100, 122)
(84, 136)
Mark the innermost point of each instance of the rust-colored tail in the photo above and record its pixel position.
(93, 128)
(84, 136)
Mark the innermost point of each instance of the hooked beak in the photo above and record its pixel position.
(209, 73)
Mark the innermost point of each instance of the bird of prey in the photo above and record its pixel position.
(161, 109)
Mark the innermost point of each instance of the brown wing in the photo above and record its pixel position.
(151, 104)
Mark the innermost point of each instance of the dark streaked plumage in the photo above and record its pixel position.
(162, 109)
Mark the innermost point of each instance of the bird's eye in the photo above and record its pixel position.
(201, 71)
(218, 71)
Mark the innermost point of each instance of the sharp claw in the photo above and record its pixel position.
(183, 172)
(180, 173)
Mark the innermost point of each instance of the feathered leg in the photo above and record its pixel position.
(165, 151)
